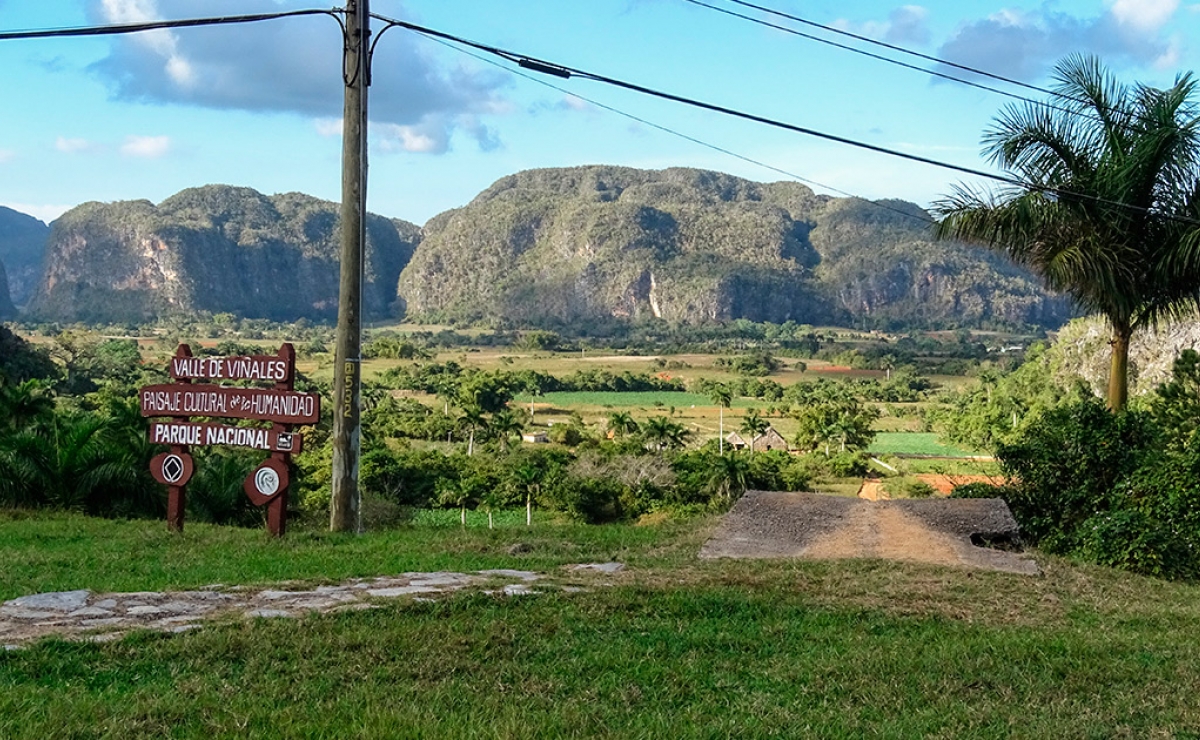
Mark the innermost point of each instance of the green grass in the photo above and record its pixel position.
(913, 443)
(673, 647)
(62, 552)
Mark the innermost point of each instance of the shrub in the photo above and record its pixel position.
(908, 487)
(1134, 541)
(1068, 465)
(980, 490)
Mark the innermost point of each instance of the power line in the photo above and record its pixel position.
(927, 57)
(564, 71)
(871, 55)
(125, 28)
(895, 47)
(680, 134)
(559, 70)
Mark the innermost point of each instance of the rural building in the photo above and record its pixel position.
(769, 440)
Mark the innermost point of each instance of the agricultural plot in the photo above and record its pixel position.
(914, 443)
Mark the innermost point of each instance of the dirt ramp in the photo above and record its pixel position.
(767, 524)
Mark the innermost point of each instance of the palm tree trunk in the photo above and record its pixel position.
(1118, 373)
(490, 525)
(528, 508)
(462, 515)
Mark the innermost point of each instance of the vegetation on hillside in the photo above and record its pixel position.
(216, 248)
(556, 247)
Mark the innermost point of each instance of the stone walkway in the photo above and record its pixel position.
(108, 616)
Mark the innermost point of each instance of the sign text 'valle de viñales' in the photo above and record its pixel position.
(183, 399)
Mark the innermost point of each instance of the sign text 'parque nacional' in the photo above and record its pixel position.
(279, 404)
(189, 433)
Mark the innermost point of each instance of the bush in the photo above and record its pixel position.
(1068, 466)
(848, 464)
(592, 500)
(1133, 541)
(908, 487)
(980, 490)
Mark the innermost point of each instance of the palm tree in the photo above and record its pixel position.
(754, 426)
(621, 423)
(728, 477)
(504, 424)
(723, 397)
(1108, 203)
(662, 433)
(22, 404)
(473, 420)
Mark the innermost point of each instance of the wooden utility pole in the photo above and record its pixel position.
(347, 376)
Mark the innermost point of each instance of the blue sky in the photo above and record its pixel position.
(258, 105)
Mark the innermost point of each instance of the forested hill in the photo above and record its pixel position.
(216, 248)
(553, 247)
(22, 242)
(7, 310)
(559, 246)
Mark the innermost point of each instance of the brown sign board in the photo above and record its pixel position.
(266, 481)
(266, 404)
(189, 433)
(269, 368)
(172, 468)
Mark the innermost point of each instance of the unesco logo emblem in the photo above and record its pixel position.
(266, 481)
(172, 469)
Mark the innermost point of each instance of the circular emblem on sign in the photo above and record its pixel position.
(266, 481)
(172, 469)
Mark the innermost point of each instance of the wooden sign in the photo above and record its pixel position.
(266, 481)
(191, 433)
(183, 399)
(267, 404)
(269, 368)
(172, 468)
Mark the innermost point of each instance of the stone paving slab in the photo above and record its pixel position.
(83, 614)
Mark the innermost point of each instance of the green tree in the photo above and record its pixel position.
(754, 426)
(1108, 199)
(661, 433)
(621, 424)
(723, 397)
(847, 423)
(1176, 405)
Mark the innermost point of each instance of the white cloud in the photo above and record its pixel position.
(146, 146)
(292, 65)
(72, 146)
(573, 102)
(1143, 15)
(329, 126)
(6, 155)
(905, 25)
(1024, 44)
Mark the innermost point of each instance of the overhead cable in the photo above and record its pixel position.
(564, 71)
(681, 135)
(125, 28)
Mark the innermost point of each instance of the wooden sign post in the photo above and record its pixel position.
(180, 401)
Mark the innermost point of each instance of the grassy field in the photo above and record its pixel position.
(914, 443)
(672, 647)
